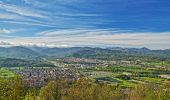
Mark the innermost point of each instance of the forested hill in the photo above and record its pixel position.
(34, 52)
(18, 52)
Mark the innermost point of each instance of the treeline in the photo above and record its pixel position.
(121, 53)
(136, 71)
(81, 89)
(13, 62)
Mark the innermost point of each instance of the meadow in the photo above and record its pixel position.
(6, 73)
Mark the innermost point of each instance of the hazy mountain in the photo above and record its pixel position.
(60, 52)
(33, 52)
(18, 52)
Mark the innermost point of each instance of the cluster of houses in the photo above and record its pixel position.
(88, 63)
(66, 70)
(40, 76)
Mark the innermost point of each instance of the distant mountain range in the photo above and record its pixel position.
(33, 52)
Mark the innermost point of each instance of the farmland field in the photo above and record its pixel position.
(5, 73)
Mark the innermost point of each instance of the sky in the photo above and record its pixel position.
(78, 23)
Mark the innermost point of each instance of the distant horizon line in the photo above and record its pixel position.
(108, 47)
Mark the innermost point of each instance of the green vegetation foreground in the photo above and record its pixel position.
(81, 89)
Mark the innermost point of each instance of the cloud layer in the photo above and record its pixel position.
(96, 38)
(67, 23)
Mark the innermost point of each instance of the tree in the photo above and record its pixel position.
(165, 91)
(12, 89)
(31, 94)
(52, 91)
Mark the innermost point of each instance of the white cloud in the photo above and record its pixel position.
(62, 17)
(8, 31)
(5, 31)
(62, 10)
(21, 10)
(9, 16)
(36, 3)
(149, 40)
(31, 44)
(78, 32)
(4, 43)
(29, 23)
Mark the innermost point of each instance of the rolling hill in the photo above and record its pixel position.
(87, 52)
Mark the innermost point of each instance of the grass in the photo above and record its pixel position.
(132, 69)
(110, 79)
(5, 73)
(97, 74)
(159, 63)
(127, 84)
(151, 80)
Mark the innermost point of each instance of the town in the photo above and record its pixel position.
(38, 77)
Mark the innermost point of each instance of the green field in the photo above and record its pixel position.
(128, 84)
(151, 80)
(136, 75)
(110, 77)
(5, 73)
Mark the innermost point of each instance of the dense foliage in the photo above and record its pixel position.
(13, 62)
(82, 89)
(87, 52)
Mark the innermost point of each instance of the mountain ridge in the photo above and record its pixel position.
(33, 52)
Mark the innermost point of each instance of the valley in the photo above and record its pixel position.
(123, 69)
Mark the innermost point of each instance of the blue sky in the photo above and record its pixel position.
(96, 23)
